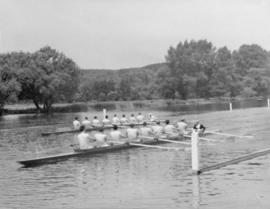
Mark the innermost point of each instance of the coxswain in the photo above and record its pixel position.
(84, 139)
(101, 138)
(157, 129)
(169, 129)
(182, 126)
(132, 119)
(115, 120)
(198, 127)
(145, 131)
(132, 133)
(76, 123)
(86, 123)
(116, 134)
(124, 120)
(96, 122)
(106, 120)
(140, 118)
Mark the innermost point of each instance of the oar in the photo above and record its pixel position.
(162, 138)
(203, 138)
(226, 134)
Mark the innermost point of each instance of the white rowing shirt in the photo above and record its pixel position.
(96, 122)
(132, 119)
(124, 120)
(132, 133)
(115, 120)
(169, 129)
(84, 141)
(106, 121)
(145, 131)
(116, 135)
(182, 127)
(157, 129)
(86, 123)
(140, 118)
(76, 124)
(101, 139)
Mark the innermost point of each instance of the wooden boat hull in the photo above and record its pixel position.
(93, 151)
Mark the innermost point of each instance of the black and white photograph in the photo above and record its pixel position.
(134, 104)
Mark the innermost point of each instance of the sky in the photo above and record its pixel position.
(115, 34)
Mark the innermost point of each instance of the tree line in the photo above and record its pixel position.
(192, 69)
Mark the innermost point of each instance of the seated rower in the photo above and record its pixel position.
(84, 140)
(170, 130)
(145, 132)
(124, 120)
(115, 120)
(116, 134)
(106, 121)
(96, 122)
(157, 129)
(132, 119)
(198, 127)
(76, 124)
(101, 138)
(151, 117)
(132, 133)
(140, 118)
(86, 123)
(182, 126)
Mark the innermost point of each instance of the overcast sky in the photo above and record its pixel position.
(129, 33)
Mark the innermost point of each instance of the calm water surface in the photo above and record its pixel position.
(136, 178)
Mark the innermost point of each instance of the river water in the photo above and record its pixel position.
(135, 178)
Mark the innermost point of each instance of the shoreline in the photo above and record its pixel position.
(29, 108)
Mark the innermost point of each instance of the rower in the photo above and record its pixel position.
(140, 118)
(145, 131)
(169, 129)
(123, 119)
(106, 121)
(152, 118)
(76, 123)
(157, 129)
(116, 134)
(101, 138)
(182, 126)
(132, 119)
(96, 122)
(132, 133)
(198, 127)
(84, 139)
(115, 120)
(86, 123)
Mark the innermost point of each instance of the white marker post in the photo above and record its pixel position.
(104, 113)
(195, 155)
(230, 106)
(268, 103)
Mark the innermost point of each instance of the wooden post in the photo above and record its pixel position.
(196, 191)
(230, 106)
(195, 152)
(104, 113)
(268, 103)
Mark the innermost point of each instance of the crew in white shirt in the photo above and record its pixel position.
(157, 129)
(76, 123)
(96, 122)
(124, 119)
(101, 139)
(132, 119)
(86, 123)
(169, 129)
(132, 133)
(115, 120)
(116, 134)
(84, 139)
(140, 118)
(182, 126)
(145, 131)
(106, 121)
(151, 117)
